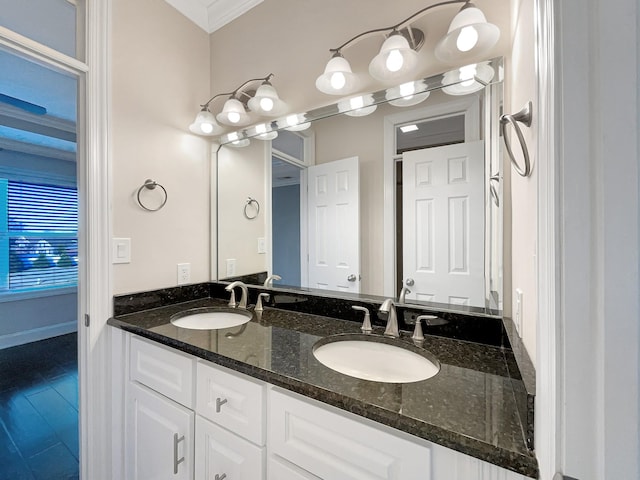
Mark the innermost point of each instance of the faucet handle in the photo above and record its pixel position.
(418, 336)
(259, 307)
(232, 300)
(366, 324)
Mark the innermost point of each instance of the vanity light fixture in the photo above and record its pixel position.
(469, 36)
(264, 101)
(265, 132)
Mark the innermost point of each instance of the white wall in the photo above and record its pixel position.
(160, 74)
(521, 87)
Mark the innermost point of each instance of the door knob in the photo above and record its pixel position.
(351, 278)
(410, 282)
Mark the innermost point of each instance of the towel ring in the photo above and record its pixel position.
(523, 116)
(151, 185)
(251, 201)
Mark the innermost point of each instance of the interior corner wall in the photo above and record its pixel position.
(160, 74)
(520, 87)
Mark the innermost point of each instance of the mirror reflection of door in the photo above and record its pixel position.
(443, 228)
(439, 200)
(334, 226)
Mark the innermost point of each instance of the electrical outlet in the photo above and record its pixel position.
(519, 306)
(184, 273)
(231, 267)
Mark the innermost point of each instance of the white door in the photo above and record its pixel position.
(334, 225)
(159, 437)
(443, 223)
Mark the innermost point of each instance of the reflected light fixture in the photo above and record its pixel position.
(467, 79)
(263, 101)
(233, 140)
(265, 132)
(295, 122)
(469, 36)
(359, 106)
(407, 94)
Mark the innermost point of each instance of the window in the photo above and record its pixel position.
(38, 236)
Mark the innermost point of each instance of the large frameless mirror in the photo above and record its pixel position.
(396, 193)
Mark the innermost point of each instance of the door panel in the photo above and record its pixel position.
(334, 226)
(443, 223)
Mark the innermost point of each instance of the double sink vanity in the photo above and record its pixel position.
(297, 390)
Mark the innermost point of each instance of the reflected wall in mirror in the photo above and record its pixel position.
(402, 197)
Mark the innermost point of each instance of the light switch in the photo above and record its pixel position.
(262, 245)
(231, 267)
(121, 250)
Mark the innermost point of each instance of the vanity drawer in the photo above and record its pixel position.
(219, 453)
(333, 445)
(163, 369)
(279, 469)
(231, 400)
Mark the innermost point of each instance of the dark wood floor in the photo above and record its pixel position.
(39, 410)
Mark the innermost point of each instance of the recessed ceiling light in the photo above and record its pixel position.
(409, 128)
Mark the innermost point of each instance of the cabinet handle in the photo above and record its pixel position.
(176, 460)
(221, 477)
(219, 403)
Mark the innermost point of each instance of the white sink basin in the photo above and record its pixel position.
(210, 318)
(375, 358)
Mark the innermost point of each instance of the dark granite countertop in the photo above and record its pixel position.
(469, 406)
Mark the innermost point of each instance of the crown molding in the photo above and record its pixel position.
(210, 15)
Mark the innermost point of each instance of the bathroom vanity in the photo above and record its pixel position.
(252, 401)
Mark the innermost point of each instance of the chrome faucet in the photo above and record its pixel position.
(245, 292)
(389, 308)
(269, 281)
(403, 294)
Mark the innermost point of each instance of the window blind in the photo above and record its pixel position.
(40, 236)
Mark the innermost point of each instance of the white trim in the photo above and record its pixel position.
(213, 205)
(33, 50)
(548, 426)
(467, 105)
(39, 150)
(95, 291)
(35, 334)
(48, 292)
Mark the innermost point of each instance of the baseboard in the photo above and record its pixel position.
(28, 336)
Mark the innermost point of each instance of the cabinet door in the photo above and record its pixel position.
(159, 437)
(222, 455)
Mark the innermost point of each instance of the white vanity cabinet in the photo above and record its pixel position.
(159, 424)
(214, 423)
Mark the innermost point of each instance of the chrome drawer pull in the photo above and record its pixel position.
(221, 477)
(176, 461)
(219, 403)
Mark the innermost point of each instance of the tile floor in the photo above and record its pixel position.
(39, 410)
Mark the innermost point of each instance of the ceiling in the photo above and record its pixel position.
(210, 15)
